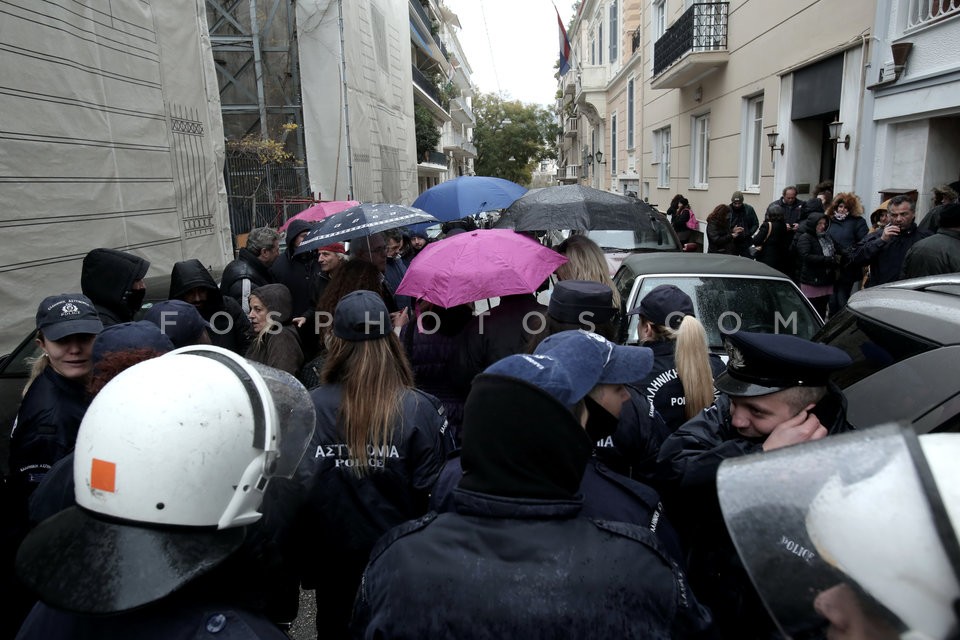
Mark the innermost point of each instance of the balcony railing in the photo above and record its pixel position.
(926, 11)
(702, 27)
(424, 83)
(635, 39)
(569, 172)
(434, 157)
(571, 127)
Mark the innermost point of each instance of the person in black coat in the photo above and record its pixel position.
(847, 228)
(251, 269)
(229, 327)
(775, 392)
(113, 280)
(818, 260)
(377, 451)
(884, 250)
(772, 241)
(517, 557)
(297, 271)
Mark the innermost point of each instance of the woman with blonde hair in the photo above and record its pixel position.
(378, 449)
(276, 342)
(680, 385)
(585, 261)
(847, 228)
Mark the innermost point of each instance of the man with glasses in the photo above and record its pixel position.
(885, 249)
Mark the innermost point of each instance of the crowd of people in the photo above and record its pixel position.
(514, 471)
(826, 245)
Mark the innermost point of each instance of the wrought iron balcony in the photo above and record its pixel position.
(692, 47)
(434, 157)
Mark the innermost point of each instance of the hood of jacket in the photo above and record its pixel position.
(107, 278)
(191, 274)
(294, 229)
(520, 442)
(277, 298)
(810, 224)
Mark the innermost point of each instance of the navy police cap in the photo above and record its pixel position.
(764, 363)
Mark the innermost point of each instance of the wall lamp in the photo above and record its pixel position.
(772, 141)
(835, 127)
(598, 156)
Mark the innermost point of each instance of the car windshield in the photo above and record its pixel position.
(731, 303)
(656, 239)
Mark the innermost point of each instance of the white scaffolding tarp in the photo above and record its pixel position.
(112, 137)
(358, 107)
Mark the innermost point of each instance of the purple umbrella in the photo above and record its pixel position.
(474, 265)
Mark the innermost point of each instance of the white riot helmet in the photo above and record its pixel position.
(171, 460)
(860, 525)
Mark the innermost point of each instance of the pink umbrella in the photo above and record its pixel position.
(320, 211)
(474, 265)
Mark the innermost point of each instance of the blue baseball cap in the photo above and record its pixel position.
(567, 365)
(763, 363)
(178, 320)
(128, 336)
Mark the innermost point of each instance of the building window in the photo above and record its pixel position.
(630, 115)
(751, 146)
(614, 30)
(613, 144)
(659, 18)
(700, 151)
(600, 41)
(661, 155)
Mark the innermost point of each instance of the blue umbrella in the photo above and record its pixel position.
(360, 221)
(468, 196)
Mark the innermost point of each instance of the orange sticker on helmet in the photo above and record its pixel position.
(103, 475)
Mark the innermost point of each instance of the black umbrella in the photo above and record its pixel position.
(361, 221)
(577, 207)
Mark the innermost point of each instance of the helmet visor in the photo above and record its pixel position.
(295, 421)
(843, 528)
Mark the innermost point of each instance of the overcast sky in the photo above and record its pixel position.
(512, 45)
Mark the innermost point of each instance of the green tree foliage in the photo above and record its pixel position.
(512, 137)
(427, 131)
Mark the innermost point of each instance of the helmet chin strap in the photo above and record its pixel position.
(941, 519)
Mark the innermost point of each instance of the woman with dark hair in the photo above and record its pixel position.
(679, 213)
(817, 261)
(276, 341)
(772, 240)
(719, 235)
(378, 448)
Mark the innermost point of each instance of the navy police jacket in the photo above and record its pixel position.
(346, 512)
(523, 568)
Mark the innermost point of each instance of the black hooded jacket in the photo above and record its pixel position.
(816, 267)
(297, 271)
(516, 558)
(230, 328)
(107, 278)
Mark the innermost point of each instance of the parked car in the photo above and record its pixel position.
(617, 244)
(904, 338)
(729, 293)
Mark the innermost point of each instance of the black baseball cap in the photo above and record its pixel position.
(361, 315)
(665, 305)
(571, 298)
(67, 314)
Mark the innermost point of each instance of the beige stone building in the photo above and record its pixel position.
(685, 97)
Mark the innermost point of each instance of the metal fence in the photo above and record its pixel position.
(702, 27)
(261, 194)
